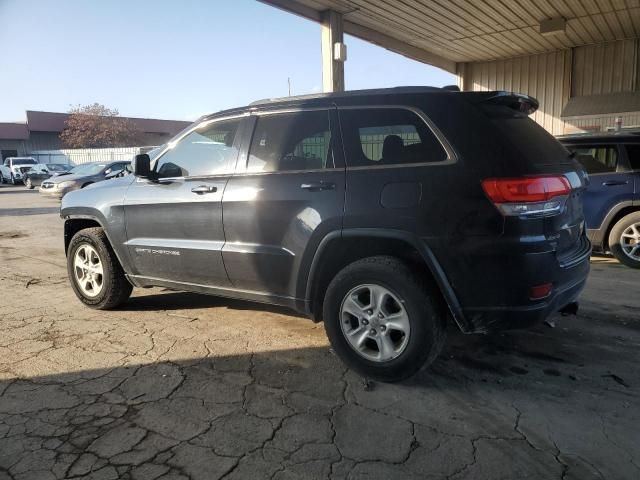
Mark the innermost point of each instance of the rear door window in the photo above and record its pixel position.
(633, 153)
(388, 136)
(597, 158)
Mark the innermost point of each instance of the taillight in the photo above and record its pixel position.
(528, 196)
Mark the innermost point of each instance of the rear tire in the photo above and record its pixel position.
(624, 240)
(409, 322)
(103, 291)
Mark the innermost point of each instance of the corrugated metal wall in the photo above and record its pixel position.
(605, 68)
(554, 77)
(544, 76)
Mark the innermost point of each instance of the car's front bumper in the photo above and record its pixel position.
(55, 192)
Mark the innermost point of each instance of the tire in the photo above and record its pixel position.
(113, 288)
(28, 184)
(622, 238)
(409, 296)
(1, 179)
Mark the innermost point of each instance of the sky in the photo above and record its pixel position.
(173, 59)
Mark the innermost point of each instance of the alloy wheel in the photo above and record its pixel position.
(630, 241)
(87, 267)
(375, 322)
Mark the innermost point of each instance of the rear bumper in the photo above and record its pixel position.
(520, 317)
(506, 305)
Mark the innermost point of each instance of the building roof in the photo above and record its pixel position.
(56, 122)
(13, 131)
(602, 104)
(444, 32)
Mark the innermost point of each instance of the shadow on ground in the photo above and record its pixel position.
(538, 404)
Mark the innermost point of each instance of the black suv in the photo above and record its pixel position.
(381, 212)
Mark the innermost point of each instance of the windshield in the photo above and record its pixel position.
(88, 169)
(24, 161)
(56, 167)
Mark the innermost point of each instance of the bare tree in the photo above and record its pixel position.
(96, 126)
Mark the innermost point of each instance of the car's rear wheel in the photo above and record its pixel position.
(2, 180)
(383, 320)
(94, 271)
(624, 240)
(28, 183)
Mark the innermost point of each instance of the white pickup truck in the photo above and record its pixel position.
(13, 169)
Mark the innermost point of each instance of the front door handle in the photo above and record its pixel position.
(318, 186)
(204, 189)
(613, 183)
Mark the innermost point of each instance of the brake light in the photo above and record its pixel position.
(528, 196)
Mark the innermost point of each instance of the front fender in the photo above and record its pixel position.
(105, 206)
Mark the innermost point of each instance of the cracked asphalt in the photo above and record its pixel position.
(181, 386)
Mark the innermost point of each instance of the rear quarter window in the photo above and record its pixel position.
(388, 136)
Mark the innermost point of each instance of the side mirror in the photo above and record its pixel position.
(142, 166)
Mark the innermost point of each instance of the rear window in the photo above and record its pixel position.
(533, 142)
(388, 136)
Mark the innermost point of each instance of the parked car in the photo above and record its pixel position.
(13, 169)
(83, 175)
(42, 171)
(612, 199)
(384, 213)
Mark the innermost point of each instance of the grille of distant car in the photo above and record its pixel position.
(47, 185)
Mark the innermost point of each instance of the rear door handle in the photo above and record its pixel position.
(613, 183)
(318, 186)
(204, 189)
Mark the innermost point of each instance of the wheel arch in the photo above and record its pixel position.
(338, 249)
(617, 213)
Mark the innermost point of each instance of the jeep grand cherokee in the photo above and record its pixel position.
(384, 213)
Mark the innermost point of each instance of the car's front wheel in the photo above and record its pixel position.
(624, 240)
(95, 272)
(383, 320)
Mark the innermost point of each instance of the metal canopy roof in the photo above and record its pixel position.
(442, 32)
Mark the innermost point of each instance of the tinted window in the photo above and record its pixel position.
(387, 136)
(633, 152)
(596, 158)
(206, 151)
(291, 141)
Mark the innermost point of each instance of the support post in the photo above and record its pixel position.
(332, 69)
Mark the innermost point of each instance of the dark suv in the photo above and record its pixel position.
(612, 199)
(380, 212)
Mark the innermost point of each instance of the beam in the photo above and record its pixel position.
(332, 69)
(369, 35)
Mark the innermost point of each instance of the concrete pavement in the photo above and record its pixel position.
(182, 386)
